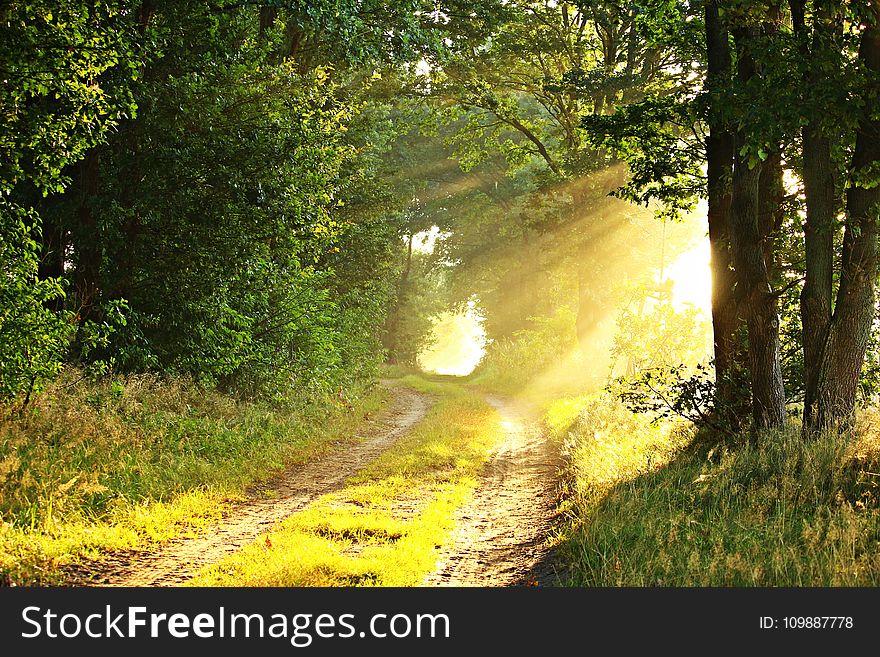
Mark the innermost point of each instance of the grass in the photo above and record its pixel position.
(385, 526)
(127, 463)
(653, 508)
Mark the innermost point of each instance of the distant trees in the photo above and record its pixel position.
(230, 190)
(512, 105)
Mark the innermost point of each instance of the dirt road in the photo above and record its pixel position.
(179, 560)
(502, 533)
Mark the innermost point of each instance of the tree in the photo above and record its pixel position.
(800, 96)
(843, 351)
(238, 217)
(748, 234)
(56, 106)
(517, 100)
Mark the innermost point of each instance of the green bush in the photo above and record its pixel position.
(33, 338)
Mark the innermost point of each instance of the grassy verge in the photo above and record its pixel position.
(384, 527)
(129, 463)
(650, 509)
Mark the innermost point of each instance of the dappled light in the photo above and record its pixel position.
(417, 293)
(641, 300)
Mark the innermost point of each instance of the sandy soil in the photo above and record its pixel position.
(501, 539)
(179, 560)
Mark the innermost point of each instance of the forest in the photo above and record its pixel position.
(311, 293)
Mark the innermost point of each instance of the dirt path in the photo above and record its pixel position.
(179, 560)
(502, 533)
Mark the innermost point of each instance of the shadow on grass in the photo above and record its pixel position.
(781, 512)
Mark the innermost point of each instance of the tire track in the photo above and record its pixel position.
(502, 533)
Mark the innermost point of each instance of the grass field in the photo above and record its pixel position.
(650, 507)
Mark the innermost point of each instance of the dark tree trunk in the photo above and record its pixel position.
(267, 19)
(87, 243)
(819, 257)
(821, 201)
(729, 356)
(145, 15)
(394, 319)
(120, 279)
(756, 298)
(854, 308)
(752, 277)
(53, 246)
(771, 212)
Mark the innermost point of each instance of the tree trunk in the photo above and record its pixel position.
(819, 191)
(88, 244)
(267, 19)
(752, 277)
(819, 257)
(729, 357)
(771, 212)
(392, 341)
(854, 308)
(52, 250)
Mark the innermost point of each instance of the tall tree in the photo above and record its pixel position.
(820, 51)
(843, 353)
(720, 149)
(747, 239)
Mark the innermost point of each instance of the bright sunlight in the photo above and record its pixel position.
(691, 278)
(457, 344)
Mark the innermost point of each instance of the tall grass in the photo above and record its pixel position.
(123, 463)
(653, 508)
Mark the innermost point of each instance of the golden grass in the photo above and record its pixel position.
(651, 509)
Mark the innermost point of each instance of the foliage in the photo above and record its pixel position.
(671, 392)
(419, 298)
(664, 155)
(213, 246)
(33, 338)
(549, 349)
(660, 337)
(56, 105)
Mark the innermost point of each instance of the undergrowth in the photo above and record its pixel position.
(653, 507)
(123, 463)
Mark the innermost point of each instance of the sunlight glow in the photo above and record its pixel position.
(424, 241)
(691, 277)
(459, 342)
